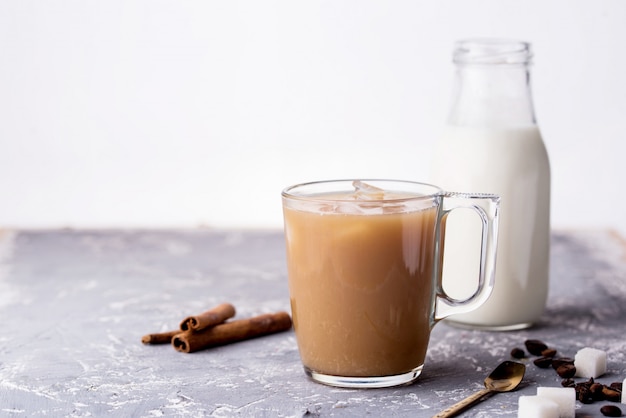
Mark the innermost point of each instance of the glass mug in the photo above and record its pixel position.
(364, 264)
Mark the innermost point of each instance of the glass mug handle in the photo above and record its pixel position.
(487, 206)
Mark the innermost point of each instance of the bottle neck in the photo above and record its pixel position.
(492, 85)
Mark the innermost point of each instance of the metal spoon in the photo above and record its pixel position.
(504, 378)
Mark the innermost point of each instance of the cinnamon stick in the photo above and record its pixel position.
(159, 338)
(230, 332)
(209, 318)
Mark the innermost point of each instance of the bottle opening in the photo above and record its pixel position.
(492, 52)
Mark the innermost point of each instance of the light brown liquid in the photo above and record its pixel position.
(361, 289)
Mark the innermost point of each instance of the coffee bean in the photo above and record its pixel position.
(548, 352)
(557, 362)
(611, 411)
(543, 362)
(616, 386)
(568, 383)
(517, 353)
(611, 394)
(596, 391)
(583, 393)
(535, 347)
(566, 370)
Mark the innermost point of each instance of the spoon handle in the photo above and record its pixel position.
(461, 405)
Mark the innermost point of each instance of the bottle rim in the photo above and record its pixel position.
(492, 51)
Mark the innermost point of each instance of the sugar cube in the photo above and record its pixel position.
(590, 362)
(565, 398)
(537, 407)
(624, 391)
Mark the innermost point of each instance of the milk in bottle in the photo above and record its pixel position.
(491, 144)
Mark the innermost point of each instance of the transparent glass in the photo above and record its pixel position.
(492, 144)
(364, 268)
(492, 84)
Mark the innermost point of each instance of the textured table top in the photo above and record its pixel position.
(74, 305)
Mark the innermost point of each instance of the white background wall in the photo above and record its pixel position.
(184, 113)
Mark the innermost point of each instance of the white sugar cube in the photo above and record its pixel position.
(624, 391)
(565, 398)
(537, 407)
(590, 362)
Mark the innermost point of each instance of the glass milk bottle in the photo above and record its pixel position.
(491, 144)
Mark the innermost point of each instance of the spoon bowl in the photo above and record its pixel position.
(504, 378)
